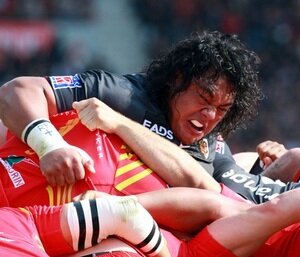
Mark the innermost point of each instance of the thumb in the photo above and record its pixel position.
(78, 106)
(267, 161)
(89, 166)
(75, 105)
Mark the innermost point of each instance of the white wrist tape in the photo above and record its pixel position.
(42, 137)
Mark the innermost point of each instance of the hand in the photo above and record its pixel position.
(95, 114)
(269, 151)
(66, 165)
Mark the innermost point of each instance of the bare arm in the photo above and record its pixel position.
(286, 167)
(3, 132)
(279, 162)
(258, 223)
(23, 100)
(173, 164)
(189, 209)
(170, 162)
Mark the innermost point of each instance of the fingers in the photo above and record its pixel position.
(65, 176)
(66, 166)
(56, 179)
(90, 103)
(78, 106)
(89, 166)
(267, 161)
(87, 114)
(87, 161)
(69, 178)
(270, 149)
(87, 118)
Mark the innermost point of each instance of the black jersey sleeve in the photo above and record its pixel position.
(115, 90)
(255, 188)
(126, 94)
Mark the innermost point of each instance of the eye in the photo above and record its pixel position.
(223, 109)
(203, 97)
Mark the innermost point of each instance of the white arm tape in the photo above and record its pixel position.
(42, 137)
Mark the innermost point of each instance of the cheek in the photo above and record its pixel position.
(185, 105)
(176, 109)
(216, 121)
(175, 119)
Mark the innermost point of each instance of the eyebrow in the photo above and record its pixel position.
(227, 104)
(211, 96)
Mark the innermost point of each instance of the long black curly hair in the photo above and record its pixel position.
(208, 56)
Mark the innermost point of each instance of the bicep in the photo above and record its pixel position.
(24, 99)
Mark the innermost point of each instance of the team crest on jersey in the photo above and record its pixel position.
(15, 176)
(59, 82)
(220, 145)
(203, 147)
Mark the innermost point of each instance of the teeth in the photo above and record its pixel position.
(196, 123)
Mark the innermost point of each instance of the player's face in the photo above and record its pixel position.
(195, 112)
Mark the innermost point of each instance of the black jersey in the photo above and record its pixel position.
(129, 95)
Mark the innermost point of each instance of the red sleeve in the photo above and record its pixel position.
(3, 199)
(204, 245)
(47, 220)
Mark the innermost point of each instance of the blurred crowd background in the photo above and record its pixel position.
(61, 37)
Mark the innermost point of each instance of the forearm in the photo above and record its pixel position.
(200, 207)
(24, 99)
(170, 162)
(258, 223)
(3, 132)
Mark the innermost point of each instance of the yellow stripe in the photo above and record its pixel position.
(69, 125)
(133, 179)
(69, 197)
(64, 194)
(24, 210)
(50, 193)
(125, 156)
(58, 195)
(128, 167)
(67, 194)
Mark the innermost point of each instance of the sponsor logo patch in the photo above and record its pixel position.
(220, 146)
(265, 189)
(158, 129)
(60, 82)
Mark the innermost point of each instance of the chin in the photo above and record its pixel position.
(194, 140)
(189, 142)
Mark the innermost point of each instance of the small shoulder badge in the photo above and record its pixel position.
(203, 147)
(220, 145)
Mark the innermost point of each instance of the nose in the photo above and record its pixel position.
(209, 112)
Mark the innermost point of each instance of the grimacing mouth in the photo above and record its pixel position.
(196, 125)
